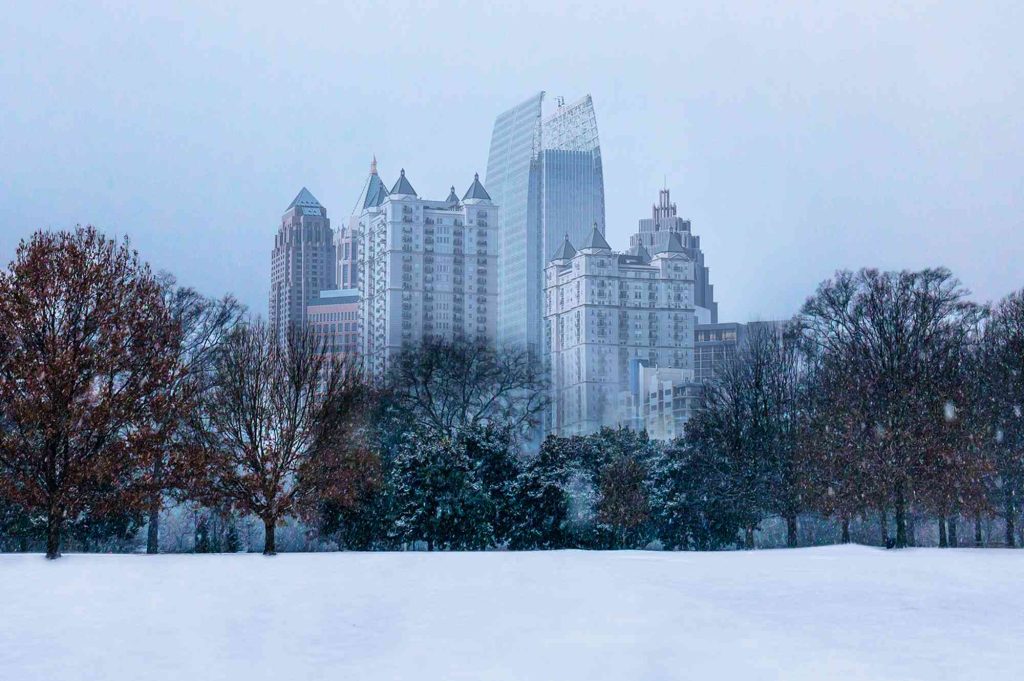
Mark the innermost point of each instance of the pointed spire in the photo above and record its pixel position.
(565, 251)
(595, 241)
(476, 192)
(453, 198)
(374, 192)
(402, 186)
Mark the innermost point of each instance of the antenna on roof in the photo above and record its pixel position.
(560, 101)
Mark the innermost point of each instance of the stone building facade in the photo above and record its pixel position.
(606, 312)
(425, 269)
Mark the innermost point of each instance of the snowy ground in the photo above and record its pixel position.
(825, 613)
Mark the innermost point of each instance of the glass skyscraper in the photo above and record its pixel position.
(545, 173)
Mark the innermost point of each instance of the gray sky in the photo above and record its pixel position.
(799, 139)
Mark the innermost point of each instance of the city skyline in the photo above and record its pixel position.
(833, 138)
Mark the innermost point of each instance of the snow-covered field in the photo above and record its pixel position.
(824, 613)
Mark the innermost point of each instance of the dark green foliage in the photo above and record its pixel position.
(440, 498)
(694, 499)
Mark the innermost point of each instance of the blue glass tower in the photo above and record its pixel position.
(546, 174)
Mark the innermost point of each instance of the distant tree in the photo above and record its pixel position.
(204, 325)
(624, 506)
(893, 342)
(18, 529)
(275, 418)
(448, 386)
(752, 417)
(86, 349)
(999, 374)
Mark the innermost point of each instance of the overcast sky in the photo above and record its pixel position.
(798, 139)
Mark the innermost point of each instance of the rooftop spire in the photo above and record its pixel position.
(565, 250)
(403, 187)
(476, 191)
(596, 241)
(453, 198)
(373, 165)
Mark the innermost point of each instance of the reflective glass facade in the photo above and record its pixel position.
(546, 175)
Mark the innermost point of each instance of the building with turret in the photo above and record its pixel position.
(606, 314)
(654, 234)
(425, 268)
(302, 263)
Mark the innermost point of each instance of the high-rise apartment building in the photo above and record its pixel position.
(302, 262)
(426, 269)
(606, 313)
(546, 174)
(654, 234)
(347, 239)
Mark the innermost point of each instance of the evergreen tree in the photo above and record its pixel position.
(440, 498)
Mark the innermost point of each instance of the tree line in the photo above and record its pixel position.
(889, 397)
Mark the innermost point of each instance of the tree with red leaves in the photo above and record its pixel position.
(278, 426)
(86, 345)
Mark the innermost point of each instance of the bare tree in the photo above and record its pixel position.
(204, 324)
(893, 343)
(999, 374)
(274, 417)
(448, 386)
(86, 351)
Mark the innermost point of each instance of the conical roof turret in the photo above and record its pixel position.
(565, 251)
(595, 241)
(402, 186)
(476, 192)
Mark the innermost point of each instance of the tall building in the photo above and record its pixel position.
(302, 263)
(606, 314)
(654, 234)
(347, 239)
(546, 174)
(334, 314)
(426, 269)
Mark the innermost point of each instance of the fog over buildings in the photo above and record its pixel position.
(798, 139)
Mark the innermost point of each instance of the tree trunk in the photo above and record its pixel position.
(943, 541)
(53, 528)
(153, 531)
(884, 519)
(977, 530)
(901, 518)
(1010, 513)
(952, 530)
(846, 531)
(791, 531)
(748, 540)
(269, 528)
